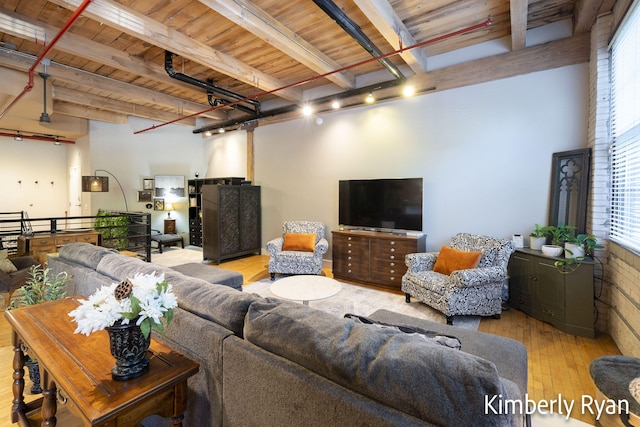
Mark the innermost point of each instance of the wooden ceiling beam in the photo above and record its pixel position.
(85, 48)
(585, 13)
(121, 107)
(518, 12)
(75, 110)
(99, 83)
(264, 26)
(138, 25)
(560, 53)
(384, 18)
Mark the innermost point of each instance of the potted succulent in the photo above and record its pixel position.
(538, 237)
(40, 287)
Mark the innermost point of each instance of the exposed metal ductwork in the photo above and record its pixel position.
(341, 18)
(211, 89)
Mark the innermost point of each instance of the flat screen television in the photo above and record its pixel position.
(381, 204)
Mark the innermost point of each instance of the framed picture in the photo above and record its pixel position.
(158, 204)
(169, 186)
(147, 184)
(145, 195)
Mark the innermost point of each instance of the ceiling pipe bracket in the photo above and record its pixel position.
(211, 88)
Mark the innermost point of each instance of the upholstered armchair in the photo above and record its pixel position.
(471, 291)
(299, 250)
(12, 278)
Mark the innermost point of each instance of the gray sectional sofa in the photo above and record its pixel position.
(268, 362)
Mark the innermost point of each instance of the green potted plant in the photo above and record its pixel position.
(560, 233)
(576, 249)
(40, 287)
(538, 237)
(580, 245)
(114, 229)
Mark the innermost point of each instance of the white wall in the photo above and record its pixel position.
(27, 169)
(169, 150)
(484, 152)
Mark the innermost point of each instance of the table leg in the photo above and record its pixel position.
(18, 379)
(177, 421)
(49, 403)
(180, 391)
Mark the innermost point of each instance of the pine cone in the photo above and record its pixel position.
(123, 290)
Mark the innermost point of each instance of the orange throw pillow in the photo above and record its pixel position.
(305, 242)
(450, 260)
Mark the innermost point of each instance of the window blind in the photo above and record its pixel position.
(625, 130)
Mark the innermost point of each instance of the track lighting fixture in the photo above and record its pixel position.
(369, 99)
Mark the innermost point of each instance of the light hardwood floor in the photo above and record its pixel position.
(558, 362)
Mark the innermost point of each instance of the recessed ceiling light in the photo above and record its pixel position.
(207, 133)
(221, 130)
(369, 99)
(307, 110)
(335, 104)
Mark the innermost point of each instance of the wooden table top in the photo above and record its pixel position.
(81, 365)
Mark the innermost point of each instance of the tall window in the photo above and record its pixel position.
(625, 127)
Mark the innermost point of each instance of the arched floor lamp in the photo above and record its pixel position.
(100, 184)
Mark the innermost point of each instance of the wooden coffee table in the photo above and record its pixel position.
(305, 288)
(76, 370)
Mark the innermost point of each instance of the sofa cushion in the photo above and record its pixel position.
(219, 303)
(432, 336)
(5, 264)
(211, 274)
(450, 260)
(84, 254)
(434, 383)
(120, 267)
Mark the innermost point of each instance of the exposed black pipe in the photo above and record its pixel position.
(341, 18)
(318, 101)
(210, 88)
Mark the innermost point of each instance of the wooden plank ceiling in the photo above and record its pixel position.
(111, 62)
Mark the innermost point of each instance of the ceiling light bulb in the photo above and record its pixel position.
(408, 91)
(207, 133)
(335, 104)
(307, 110)
(221, 130)
(369, 99)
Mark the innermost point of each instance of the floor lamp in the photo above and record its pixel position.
(100, 184)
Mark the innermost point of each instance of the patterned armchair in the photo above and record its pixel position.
(475, 291)
(297, 262)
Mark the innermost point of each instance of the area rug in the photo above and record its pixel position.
(365, 301)
(173, 256)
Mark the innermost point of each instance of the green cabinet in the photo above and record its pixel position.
(554, 295)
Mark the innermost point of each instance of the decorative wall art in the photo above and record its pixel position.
(145, 195)
(169, 186)
(158, 204)
(147, 184)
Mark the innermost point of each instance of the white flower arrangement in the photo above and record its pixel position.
(146, 297)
